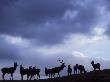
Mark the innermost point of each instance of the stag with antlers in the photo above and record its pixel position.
(58, 69)
(51, 72)
(10, 70)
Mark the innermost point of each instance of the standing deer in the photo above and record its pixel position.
(75, 69)
(95, 66)
(48, 72)
(58, 69)
(10, 70)
(24, 72)
(69, 70)
(31, 72)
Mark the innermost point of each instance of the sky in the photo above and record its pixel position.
(39, 32)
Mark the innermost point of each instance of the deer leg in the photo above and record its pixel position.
(12, 76)
(21, 77)
(3, 76)
(31, 77)
(39, 76)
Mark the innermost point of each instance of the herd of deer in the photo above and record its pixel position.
(31, 72)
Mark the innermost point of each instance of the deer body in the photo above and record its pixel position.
(48, 72)
(69, 70)
(81, 69)
(29, 72)
(58, 69)
(95, 66)
(75, 69)
(35, 72)
(24, 72)
(51, 72)
(10, 70)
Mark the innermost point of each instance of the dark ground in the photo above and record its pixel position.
(93, 76)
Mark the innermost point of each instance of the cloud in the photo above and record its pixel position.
(48, 22)
(8, 51)
(79, 54)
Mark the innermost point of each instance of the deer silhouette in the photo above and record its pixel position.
(69, 70)
(58, 69)
(51, 72)
(81, 69)
(10, 70)
(35, 71)
(75, 69)
(48, 72)
(95, 66)
(23, 72)
(30, 72)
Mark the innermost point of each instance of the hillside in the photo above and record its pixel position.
(93, 76)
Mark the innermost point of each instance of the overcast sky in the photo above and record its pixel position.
(38, 32)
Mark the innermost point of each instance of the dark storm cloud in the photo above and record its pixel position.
(7, 50)
(107, 6)
(29, 12)
(23, 17)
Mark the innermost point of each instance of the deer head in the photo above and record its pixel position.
(92, 62)
(77, 65)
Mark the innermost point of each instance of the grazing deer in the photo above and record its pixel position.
(75, 69)
(69, 70)
(81, 69)
(24, 72)
(95, 66)
(10, 70)
(58, 69)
